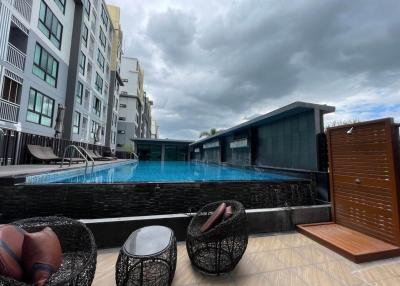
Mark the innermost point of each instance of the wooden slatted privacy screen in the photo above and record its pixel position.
(364, 178)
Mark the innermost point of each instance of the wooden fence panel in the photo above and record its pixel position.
(364, 177)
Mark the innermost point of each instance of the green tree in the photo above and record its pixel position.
(211, 132)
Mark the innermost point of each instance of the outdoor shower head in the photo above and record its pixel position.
(350, 131)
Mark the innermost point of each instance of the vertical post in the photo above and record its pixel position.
(253, 142)
(318, 128)
(162, 152)
(17, 148)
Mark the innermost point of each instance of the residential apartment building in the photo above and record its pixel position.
(115, 79)
(146, 117)
(89, 73)
(134, 120)
(55, 53)
(35, 45)
(154, 129)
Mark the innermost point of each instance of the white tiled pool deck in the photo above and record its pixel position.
(282, 259)
(17, 170)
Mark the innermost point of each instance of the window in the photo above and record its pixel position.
(113, 138)
(122, 118)
(100, 60)
(45, 66)
(104, 16)
(61, 5)
(102, 38)
(76, 123)
(79, 92)
(121, 131)
(97, 106)
(11, 90)
(94, 128)
(82, 63)
(122, 105)
(86, 5)
(85, 34)
(99, 83)
(49, 25)
(40, 108)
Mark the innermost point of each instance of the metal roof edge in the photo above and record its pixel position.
(297, 104)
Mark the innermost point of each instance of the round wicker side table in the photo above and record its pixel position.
(148, 257)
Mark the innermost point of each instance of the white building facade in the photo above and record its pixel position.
(89, 75)
(35, 43)
(55, 52)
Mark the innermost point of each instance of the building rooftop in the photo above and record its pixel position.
(283, 112)
(288, 259)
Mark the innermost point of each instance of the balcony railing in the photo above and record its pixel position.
(16, 57)
(8, 111)
(24, 7)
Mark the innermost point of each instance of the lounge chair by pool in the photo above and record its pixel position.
(103, 157)
(44, 153)
(93, 155)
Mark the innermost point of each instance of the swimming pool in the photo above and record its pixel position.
(155, 171)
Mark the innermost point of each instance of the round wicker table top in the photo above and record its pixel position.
(148, 241)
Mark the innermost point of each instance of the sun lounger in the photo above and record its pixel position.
(105, 158)
(95, 156)
(44, 153)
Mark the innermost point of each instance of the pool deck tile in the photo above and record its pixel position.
(20, 170)
(276, 260)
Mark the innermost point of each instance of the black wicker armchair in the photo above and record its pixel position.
(220, 249)
(78, 247)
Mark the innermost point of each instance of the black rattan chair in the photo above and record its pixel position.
(78, 247)
(220, 249)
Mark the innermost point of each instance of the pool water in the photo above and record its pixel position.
(156, 171)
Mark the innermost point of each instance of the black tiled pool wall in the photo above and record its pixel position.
(122, 200)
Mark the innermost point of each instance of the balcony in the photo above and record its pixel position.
(8, 111)
(24, 7)
(16, 57)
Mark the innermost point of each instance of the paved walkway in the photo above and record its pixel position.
(16, 170)
(275, 260)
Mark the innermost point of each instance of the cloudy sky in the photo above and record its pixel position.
(217, 63)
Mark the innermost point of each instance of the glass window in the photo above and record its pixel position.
(102, 38)
(61, 5)
(77, 123)
(40, 108)
(100, 60)
(104, 16)
(97, 106)
(85, 34)
(49, 25)
(99, 83)
(82, 63)
(79, 92)
(94, 128)
(45, 66)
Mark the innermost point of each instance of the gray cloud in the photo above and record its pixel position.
(216, 64)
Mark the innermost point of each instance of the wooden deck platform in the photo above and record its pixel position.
(352, 244)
